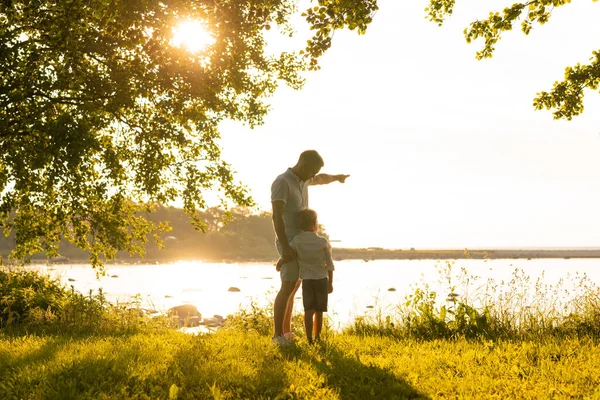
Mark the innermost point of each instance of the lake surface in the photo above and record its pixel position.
(360, 288)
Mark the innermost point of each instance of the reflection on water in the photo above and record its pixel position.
(359, 288)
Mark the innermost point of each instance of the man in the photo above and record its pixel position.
(289, 194)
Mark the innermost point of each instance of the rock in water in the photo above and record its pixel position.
(211, 322)
(185, 311)
(186, 314)
(214, 322)
(191, 321)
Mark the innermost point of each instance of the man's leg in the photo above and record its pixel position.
(308, 324)
(289, 309)
(279, 307)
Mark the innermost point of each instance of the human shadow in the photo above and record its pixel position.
(354, 379)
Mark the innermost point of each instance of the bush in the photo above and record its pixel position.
(254, 319)
(29, 299)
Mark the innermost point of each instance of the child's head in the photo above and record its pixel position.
(307, 220)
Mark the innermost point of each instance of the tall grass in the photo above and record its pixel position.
(30, 301)
(467, 308)
(461, 306)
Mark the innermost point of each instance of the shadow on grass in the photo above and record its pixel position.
(224, 365)
(230, 368)
(46, 351)
(353, 379)
(54, 341)
(45, 371)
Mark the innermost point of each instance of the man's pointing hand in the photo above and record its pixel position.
(341, 178)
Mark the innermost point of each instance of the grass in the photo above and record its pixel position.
(237, 364)
(472, 346)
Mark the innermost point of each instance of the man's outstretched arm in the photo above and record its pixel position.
(324, 179)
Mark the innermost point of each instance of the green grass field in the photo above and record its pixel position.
(58, 344)
(235, 364)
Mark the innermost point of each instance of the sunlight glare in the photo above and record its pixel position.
(192, 35)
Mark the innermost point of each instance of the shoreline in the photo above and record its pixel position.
(383, 254)
(365, 254)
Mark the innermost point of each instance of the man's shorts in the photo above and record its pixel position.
(290, 271)
(314, 294)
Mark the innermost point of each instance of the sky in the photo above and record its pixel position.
(444, 151)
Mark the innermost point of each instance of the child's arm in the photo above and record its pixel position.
(328, 257)
(330, 266)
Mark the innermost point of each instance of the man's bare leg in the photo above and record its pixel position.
(279, 307)
(289, 309)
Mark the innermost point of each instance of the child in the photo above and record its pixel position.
(316, 272)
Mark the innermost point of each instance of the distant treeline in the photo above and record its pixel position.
(237, 235)
(242, 235)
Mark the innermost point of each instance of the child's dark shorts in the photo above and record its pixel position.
(314, 294)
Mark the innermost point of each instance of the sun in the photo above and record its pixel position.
(192, 35)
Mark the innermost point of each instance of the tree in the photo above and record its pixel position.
(102, 118)
(566, 96)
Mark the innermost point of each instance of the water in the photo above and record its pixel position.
(360, 288)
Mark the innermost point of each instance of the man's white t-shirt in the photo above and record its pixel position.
(289, 189)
